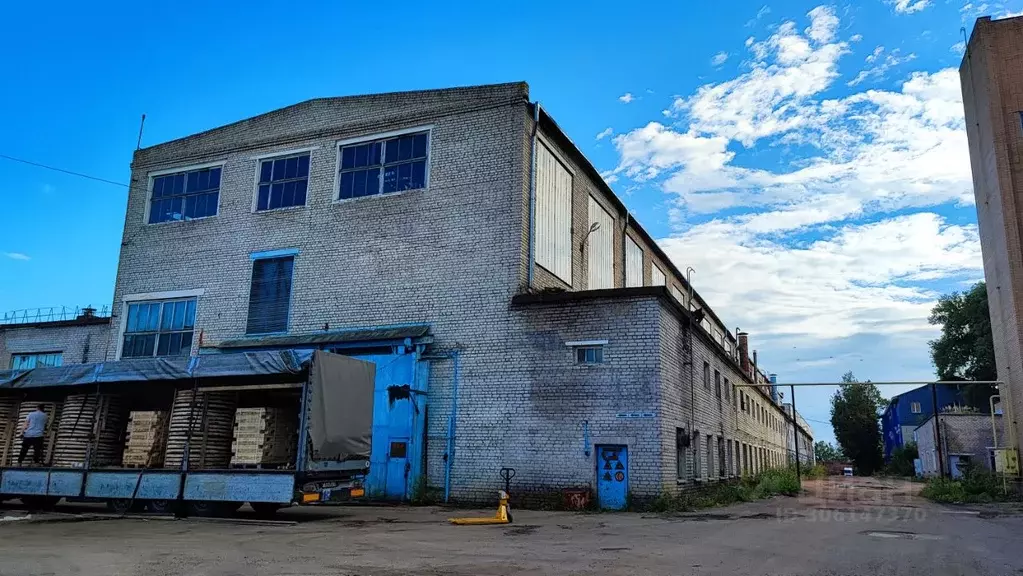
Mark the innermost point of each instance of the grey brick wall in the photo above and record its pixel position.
(961, 434)
(78, 343)
(451, 256)
(992, 84)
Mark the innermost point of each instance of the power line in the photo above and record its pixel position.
(55, 169)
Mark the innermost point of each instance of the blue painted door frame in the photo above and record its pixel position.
(612, 476)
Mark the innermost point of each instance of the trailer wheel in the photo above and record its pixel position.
(160, 506)
(123, 505)
(265, 509)
(206, 508)
(40, 502)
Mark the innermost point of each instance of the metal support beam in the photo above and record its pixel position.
(795, 435)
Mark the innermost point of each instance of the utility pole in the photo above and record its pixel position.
(795, 435)
(937, 429)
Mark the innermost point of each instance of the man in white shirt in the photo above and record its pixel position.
(32, 431)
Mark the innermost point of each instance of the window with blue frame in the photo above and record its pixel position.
(270, 295)
(185, 195)
(283, 182)
(159, 328)
(36, 360)
(383, 166)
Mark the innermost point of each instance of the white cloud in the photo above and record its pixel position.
(1007, 14)
(750, 107)
(909, 6)
(959, 47)
(605, 133)
(854, 282)
(856, 37)
(825, 244)
(764, 11)
(719, 59)
(17, 256)
(627, 97)
(877, 72)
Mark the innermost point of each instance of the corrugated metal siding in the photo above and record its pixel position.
(553, 214)
(601, 248)
(633, 263)
(656, 276)
(678, 295)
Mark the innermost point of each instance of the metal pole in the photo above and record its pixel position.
(795, 434)
(937, 429)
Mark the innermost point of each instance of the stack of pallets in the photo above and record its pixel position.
(211, 419)
(264, 437)
(8, 425)
(96, 419)
(52, 415)
(146, 439)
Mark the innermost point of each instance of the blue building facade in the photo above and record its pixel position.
(911, 409)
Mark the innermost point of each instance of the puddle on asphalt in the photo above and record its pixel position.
(893, 534)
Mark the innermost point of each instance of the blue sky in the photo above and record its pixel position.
(807, 159)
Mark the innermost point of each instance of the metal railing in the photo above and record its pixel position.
(52, 314)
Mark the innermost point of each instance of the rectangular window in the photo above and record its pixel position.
(678, 295)
(185, 195)
(728, 455)
(697, 464)
(36, 360)
(738, 464)
(728, 390)
(706, 375)
(159, 328)
(915, 407)
(589, 354)
(656, 276)
(710, 456)
(283, 182)
(680, 453)
(633, 263)
(270, 295)
(721, 457)
(600, 247)
(717, 384)
(553, 210)
(383, 166)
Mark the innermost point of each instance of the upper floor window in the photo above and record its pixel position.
(589, 354)
(656, 276)
(633, 263)
(270, 295)
(706, 375)
(159, 328)
(553, 214)
(185, 195)
(283, 182)
(717, 384)
(383, 166)
(914, 407)
(36, 360)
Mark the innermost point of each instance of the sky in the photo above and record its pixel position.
(808, 159)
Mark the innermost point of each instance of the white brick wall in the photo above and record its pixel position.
(77, 342)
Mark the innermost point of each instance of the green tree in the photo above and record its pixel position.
(855, 417)
(826, 452)
(965, 350)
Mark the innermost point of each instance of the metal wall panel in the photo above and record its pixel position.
(633, 263)
(600, 245)
(656, 276)
(41, 482)
(155, 485)
(240, 487)
(553, 223)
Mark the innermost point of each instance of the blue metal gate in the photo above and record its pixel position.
(612, 476)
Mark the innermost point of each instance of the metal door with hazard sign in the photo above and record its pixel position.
(612, 477)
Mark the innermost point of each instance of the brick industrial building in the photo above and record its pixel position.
(459, 239)
(992, 84)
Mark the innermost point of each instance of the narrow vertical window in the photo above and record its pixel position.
(270, 295)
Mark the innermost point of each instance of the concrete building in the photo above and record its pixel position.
(805, 445)
(967, 438)
(906, 411)
(993, 100)
(461, 241)
(48, 338)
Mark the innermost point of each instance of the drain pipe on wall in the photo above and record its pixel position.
(532, 198)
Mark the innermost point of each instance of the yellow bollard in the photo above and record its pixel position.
(503, 515)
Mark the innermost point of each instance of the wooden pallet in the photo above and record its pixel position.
(146, 439)
(91, 428)
(8, 425)
(264, 437)
(210, 417)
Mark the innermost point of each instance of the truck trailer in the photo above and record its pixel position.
(306, 437)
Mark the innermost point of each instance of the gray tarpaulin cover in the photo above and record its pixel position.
(341, 416)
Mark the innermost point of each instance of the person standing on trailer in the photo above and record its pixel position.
(32, 435)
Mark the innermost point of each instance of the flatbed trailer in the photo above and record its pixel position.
(210, 491)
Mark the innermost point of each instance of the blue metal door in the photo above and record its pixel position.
(612, 477)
